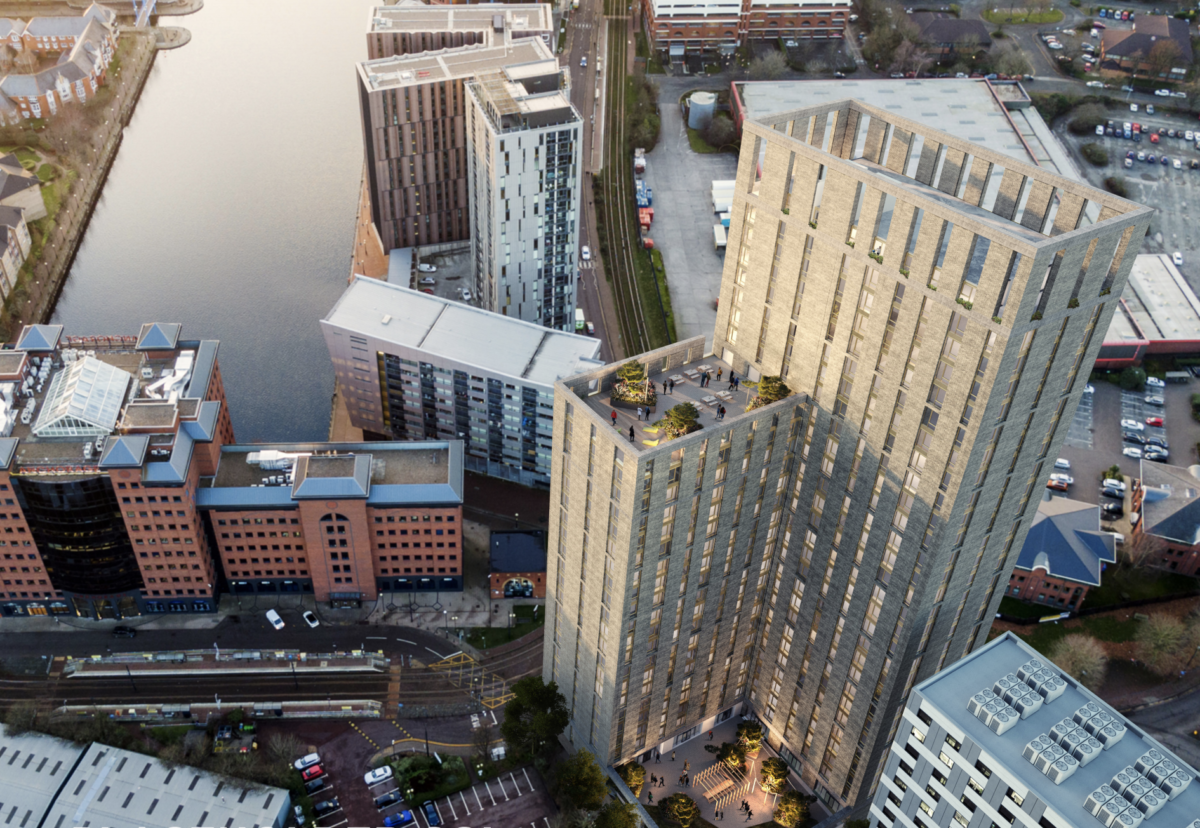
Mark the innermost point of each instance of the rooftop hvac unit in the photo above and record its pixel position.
(1148, 760)
(1036, 747)
(1048, 757)
(1151, 802)
(1096, 799)
(1124, 778)
(1112, 809)
(977, 702)
(1060, 730)
(1086, 751)
(1084, 713)
(1175, 784)
(1061, 769)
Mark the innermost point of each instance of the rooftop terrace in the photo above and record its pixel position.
(417, 17)
(448, 64)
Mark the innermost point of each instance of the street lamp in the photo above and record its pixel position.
(446, 618)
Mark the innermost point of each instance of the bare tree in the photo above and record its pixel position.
(1008, 59)
(284, 747)
(1160, 640)
(1081, 657)
(967, 45)
(1039, 6)
(1164, 55)
(481, 742)
(909, 57)
(768, 67)
(21, 717)
(1141, 549)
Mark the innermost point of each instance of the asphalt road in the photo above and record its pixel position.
(1172, 724)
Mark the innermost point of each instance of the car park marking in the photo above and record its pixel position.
(463, 797)
(527, 779)
(449, 805)
(515, 785)
(381, 782)
(489, 790)
(335, 825)
(439, 813)
(420, 813)
(477, 797)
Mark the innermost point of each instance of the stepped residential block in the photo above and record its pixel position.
(417, 367)
(930, 308)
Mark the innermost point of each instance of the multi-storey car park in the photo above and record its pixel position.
(719, 27)
(413, 105)
(524, 146)
(1003, 737)
(932, 307)
(413, 366)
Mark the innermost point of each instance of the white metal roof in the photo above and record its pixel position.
(458, 332)
(34, 767)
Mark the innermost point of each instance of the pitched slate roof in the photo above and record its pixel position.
(158, 336)
(13, 177)
(1149, 30)
(11, 216)
(1171, 503)
(126, 451)
(1065, 541)
(938, 28)
(39, 338)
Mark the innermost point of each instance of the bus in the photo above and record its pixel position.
(579, 320)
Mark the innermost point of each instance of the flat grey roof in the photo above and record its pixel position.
(447, 64)
(963, 107)
(950, 691)
(35, 766)
(1160, 299)
(417, 17)
(457, 331)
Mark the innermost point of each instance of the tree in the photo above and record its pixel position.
(1086, 118)
(680, 808)
(750, 734)
(768, 67)
(1159, 640)
(909, 57)
(617, 815)
(774, 775)
(284, 747)
(1141, 549)
(631, 372)
(770, 389)
(1082, 657)
(535, 717)
(1132, 378)
(1008, 59)
(21, 717)
(481, 742)
(967, 45)
(732, 754)
(681, 419)
(792, 809)
(720, 132)
(580, 782)
(634, 776)
(1164, 55)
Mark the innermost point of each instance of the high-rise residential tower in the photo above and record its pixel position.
(524, 146)
(413, 106)
(932, 306)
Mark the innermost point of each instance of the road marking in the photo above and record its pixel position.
(515, 785)
(406, 641)
(436, 653)
(547, 822)
(466, 807)
(489, 790)
(527, 779)
(477, 797)
(494, 718)
(449, 805)
(376, 638)
(439, 813)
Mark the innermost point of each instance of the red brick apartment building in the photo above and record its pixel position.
(1168, 501)
(721, 26)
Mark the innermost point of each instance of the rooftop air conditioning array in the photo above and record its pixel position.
(1053, 761)
(1107, 730)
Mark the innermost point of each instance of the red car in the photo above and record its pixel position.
(1057, 485)
(312, 773)
(1153, 137)
(1154, 421)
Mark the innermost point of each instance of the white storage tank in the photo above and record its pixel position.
(700, 109)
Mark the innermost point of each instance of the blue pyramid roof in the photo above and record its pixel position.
(158, 336)
(1065, 540)
(39, 337)
(126, 451)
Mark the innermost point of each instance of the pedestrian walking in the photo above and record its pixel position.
(737, 383)
(745, 805)
(653, 780)
(732, 380)
(719, 370)
(672, 386)
(687, 765)
(721, 415)
(631, 434)
(657, 757)
(639, 413)
(662, 781)
(672, 756)
(649, 797)
(613, 413)
(749, 815)
(710, 735)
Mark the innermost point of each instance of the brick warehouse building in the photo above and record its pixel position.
(342, 521)
(688, 578)
(105, 442)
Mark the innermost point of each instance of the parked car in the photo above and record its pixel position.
(1065, 478)
(1154, 421)
(431, 814)
(275, 620)
(1097, 85)
(1154, 399)
(1128, 163)
(1132, 425)
(1157, 442)
(326, 807)
(378, 775)
(427, 290)
(1132, 451)
(1056, 485)
(1112, 509)
(1113, 483)
(591, 329)
(1153, 137)
(1189, 135)
(124, 632)
(585, 253)
(1177, 257)
(312, 773)
(399, 820)
(315, 785)
(1155, 382)
(1164, 160)
(1158, 455)
(427, 268)
(310, 619)
(428, 280)
(1163, 93)
(1133, 437)
(388, 800)
(1089, 389)
(1151, 158)
(1141, 156)
(306, 761)
(1113, 493)
(1063, 464)
(464, 294)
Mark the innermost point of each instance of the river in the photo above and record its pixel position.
(230, 207)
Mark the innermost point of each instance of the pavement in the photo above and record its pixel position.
(683, 216)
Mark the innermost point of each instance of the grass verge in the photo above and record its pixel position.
(482, 638)
(1121, 584)
(1104, 628)
(698, 144)
(1019, 16)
